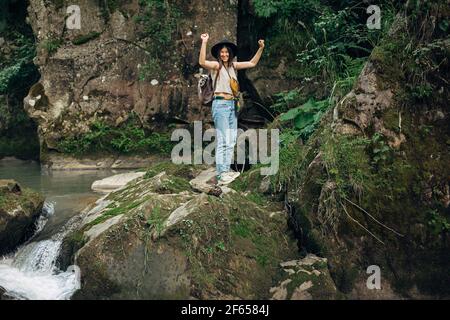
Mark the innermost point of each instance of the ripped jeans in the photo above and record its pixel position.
(225, 122)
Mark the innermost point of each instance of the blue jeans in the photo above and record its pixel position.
(225, 122)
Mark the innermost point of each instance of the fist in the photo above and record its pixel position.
(204, 36)
(261, 43)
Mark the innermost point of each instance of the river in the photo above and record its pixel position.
(31, 272)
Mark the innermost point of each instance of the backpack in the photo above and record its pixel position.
(206, 88)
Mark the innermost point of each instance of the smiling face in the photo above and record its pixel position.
(224, 54)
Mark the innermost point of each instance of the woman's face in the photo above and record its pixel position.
(224, 55)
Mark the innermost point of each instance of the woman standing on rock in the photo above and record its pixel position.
(225, 99)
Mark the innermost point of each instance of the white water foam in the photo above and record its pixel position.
(31, 272)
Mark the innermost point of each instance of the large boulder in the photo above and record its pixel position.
(374, 188)
(157, 238)
(19, 209)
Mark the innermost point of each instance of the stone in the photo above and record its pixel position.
(138, 234)
(8, 185)
(19, 210)
(301, 293)
(115, 182)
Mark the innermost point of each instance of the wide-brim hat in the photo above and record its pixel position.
(216, 48)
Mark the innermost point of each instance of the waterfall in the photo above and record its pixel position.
(31, 272)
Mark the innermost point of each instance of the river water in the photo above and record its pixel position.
(31, 272)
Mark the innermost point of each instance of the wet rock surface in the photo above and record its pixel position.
(19, 209)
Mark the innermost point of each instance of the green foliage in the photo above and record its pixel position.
(381, 151)
(15, 72)
(306, 117)
(291, 155)
(347, 164)
(287, 100)
(321, 38)
(437, 222)
(85, 38)
(156, 220)
(159, 20)
(51, 45)
(129, 138)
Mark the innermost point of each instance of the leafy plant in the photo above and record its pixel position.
(129, 138)
(51, 45)
(306, 117)
(381, 150)
(320, 39)
(437, 222)
(286, 100)
(16, 72)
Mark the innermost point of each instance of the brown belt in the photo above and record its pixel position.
(223, 98)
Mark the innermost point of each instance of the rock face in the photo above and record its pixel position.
(159, 239)
(63, 162)
(305, 279)
(93, 73)
(374, 187)
(19, 209)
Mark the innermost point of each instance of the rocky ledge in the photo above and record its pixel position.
(19, 209)
(159, 238)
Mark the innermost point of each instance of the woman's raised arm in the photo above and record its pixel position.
(202, 59)
(252, 63)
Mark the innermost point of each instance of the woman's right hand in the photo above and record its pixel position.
(204, 37)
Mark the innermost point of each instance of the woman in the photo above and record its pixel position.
(223, 105)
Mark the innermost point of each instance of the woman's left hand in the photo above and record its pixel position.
(261, 43)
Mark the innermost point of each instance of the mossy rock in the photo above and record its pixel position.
(19, 209)
(305, 279)
(148, 244)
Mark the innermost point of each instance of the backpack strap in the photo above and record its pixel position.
(233, 69)
(215, 80)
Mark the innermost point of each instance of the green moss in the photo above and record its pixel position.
(51, 45)
(122, 208)
(27, 199)
(185, 171)
(174, 185)
(85, 38)
(99, 281)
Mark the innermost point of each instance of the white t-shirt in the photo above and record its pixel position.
(223, 81)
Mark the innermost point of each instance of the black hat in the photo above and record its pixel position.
(215, 48)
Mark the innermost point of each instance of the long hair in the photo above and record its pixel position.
(230, 56)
